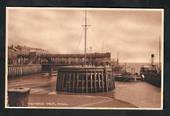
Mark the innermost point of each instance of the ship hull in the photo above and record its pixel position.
(124, 77)
(153, 79)
(151, 75)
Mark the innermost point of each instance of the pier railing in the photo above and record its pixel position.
(21, 70)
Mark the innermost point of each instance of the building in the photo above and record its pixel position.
(18, 55)
(93, 59)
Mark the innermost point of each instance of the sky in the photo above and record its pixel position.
(130, 35)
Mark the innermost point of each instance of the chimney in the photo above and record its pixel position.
(152, 59)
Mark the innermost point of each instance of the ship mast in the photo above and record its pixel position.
(159, 53)
(85, 38)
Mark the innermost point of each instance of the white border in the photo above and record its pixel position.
(162, 59)
(6, 60)
(85, 108)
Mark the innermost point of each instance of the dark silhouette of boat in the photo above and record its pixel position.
(151, 73)
(124, 77)
(120, 73)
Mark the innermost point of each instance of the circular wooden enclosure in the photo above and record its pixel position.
(87, 79)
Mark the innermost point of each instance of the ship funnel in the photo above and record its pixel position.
(152, 59)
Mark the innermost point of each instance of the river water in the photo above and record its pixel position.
(140, 94)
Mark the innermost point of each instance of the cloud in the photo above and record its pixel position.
(132, 33)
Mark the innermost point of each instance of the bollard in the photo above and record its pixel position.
(18, 97)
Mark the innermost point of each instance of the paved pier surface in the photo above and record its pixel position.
(126, 94)
(53, 100)
(139, 93)
(39, 83)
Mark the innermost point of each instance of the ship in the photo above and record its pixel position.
(151, 73)
(124, 77)
(120, 73)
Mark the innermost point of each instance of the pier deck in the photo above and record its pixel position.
(128, 94)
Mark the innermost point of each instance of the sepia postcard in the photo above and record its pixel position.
(84, 58)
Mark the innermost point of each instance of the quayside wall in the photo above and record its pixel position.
(21, 70)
